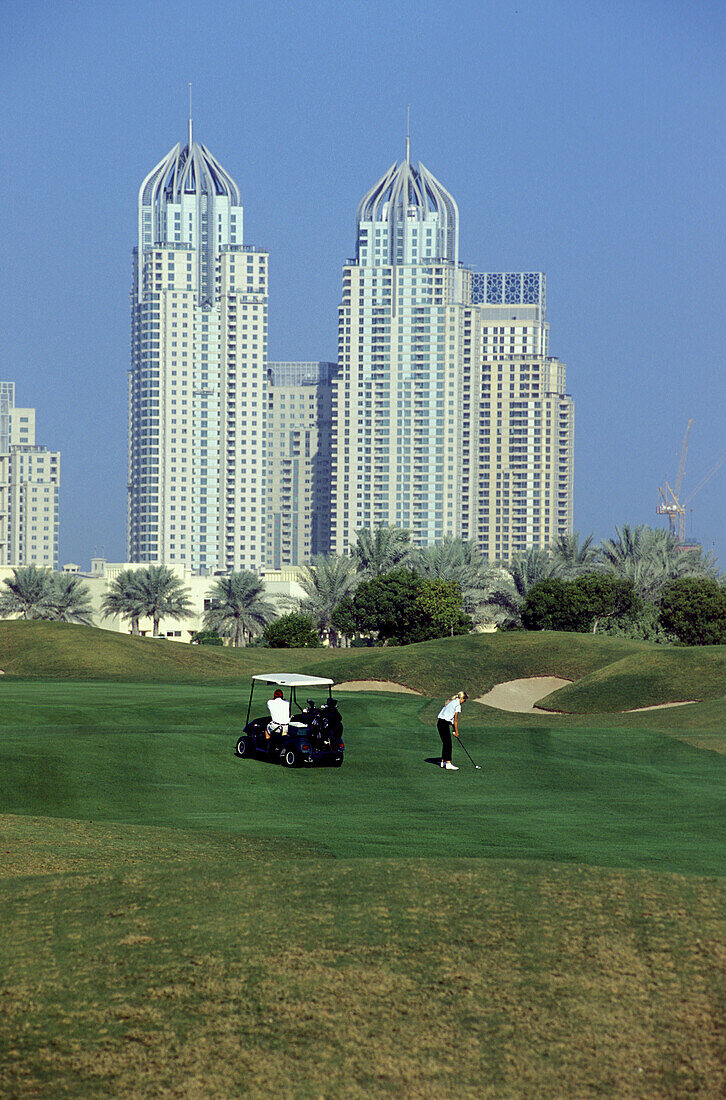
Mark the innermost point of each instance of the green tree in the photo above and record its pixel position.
(69, 600)
(378, 552)
(487, 591)
(694, 609)
(551, 604)
(325, 582)
(124, 599)
(389, 606)
(238, 607)
(579, 605)
(28, 593)
(292, 631)
(161, 595)
(441, 607)
(344, 619)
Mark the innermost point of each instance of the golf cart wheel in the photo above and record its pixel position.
(243, 747)
(290, 758)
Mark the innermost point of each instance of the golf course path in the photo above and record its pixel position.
(374, 685)
(520, 696)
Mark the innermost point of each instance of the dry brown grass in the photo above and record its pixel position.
(139, 970)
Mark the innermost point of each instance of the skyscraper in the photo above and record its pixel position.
(299, 421)
(449, 416)
(397, 440)
(197, 384)
(29, 488)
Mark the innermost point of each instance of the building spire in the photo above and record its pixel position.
(190, 117)
(408, 135)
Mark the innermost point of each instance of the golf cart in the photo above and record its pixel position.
(291, 734)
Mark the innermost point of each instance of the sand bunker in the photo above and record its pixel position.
(520, 696)
(374, 685)
(661, 706)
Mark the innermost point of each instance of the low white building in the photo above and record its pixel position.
(281, 587)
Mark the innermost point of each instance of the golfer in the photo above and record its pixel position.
(448, 720)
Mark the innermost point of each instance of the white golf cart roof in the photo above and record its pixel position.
(293, 679)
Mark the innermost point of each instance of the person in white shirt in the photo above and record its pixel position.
(448, 720)
(279, 709)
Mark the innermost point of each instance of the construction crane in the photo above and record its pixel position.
(670, 504)
(670, 499)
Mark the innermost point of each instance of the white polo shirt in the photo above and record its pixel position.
(450, 709)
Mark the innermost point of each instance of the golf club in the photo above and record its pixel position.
(477, 766)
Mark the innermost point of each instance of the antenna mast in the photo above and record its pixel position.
(190, 117)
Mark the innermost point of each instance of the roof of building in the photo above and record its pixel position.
(412, 188)
(188, 169)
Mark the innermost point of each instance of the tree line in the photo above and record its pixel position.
(642, 583)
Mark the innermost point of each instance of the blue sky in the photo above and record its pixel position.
(584, 139)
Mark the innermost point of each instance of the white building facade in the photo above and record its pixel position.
(198, 378)
(397, 424)
(450, 418)
(299, 425)
(29, 489)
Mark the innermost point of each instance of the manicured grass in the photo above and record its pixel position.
(623, 797)
(142, 962)
(179, 922)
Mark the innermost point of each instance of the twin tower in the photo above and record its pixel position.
(444, 413)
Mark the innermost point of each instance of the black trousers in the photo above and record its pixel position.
(444, 729)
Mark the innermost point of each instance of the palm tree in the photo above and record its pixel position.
(28, 594)
(161, 595)
(651, 557)
(238, 605)
(69, 600)
(569, 559)
(325, 582)
(528, 567)
(487, 592)
(124, 599)
(376, 553)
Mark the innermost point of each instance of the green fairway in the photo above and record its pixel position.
(548, 789)
(180, 922)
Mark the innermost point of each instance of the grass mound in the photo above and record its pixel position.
(45, 650)
(611, 673)
(662, 674)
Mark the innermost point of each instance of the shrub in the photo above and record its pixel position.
(293, 631)
(694, 609)
(207, 637)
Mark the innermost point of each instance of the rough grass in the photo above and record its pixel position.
(144, 962)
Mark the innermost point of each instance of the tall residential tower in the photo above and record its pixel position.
(198, 378)
(449, 416)
(29, 487)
